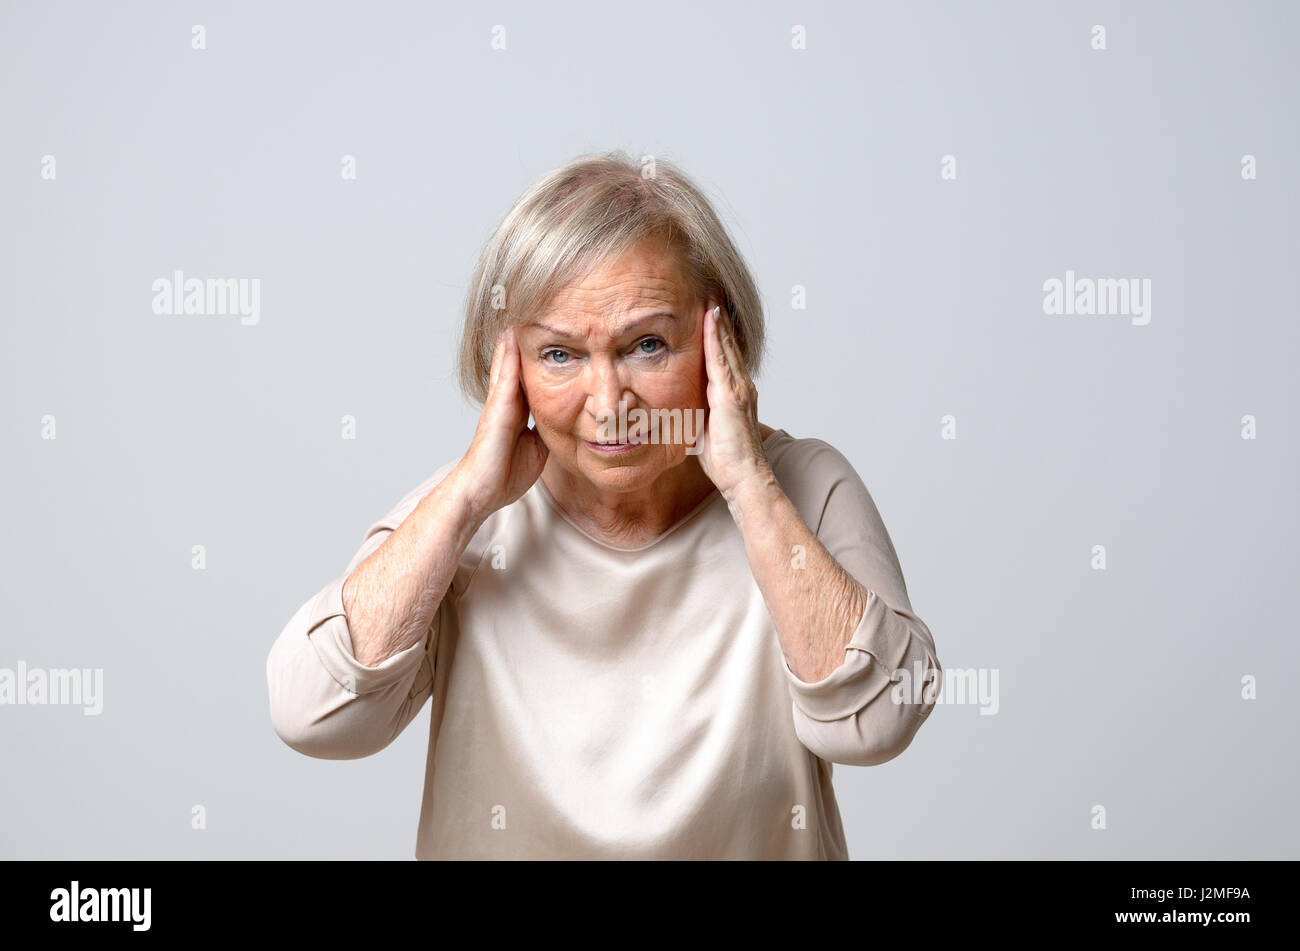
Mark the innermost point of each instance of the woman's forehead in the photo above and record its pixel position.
(617, 292)
(583, 326)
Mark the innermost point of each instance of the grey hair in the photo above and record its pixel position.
(590, 211)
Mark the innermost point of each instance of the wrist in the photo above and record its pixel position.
(457, 494)
(754, 492)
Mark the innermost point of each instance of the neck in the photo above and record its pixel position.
(634, 517)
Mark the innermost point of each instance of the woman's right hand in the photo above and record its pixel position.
(506, 456)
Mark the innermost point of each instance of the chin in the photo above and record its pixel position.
(625, 475)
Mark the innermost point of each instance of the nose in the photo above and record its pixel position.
(605, 388)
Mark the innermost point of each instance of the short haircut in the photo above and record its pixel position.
(587, 213)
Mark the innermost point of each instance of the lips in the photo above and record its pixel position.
(630, 441)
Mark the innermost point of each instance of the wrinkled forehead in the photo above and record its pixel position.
(614, 293)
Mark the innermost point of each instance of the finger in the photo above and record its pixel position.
(500, 406)
(715, 360)
(730, 370)
(731, 347)
(744, 383)
(509, 368)
(512, 397)
(497, 352)
(512, 371)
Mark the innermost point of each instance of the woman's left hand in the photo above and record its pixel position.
(731, 445)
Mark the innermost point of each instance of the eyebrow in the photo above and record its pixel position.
(626, 328)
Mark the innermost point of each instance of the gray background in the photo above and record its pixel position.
(1118, 687)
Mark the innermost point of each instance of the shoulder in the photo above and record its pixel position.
(817, 477)
(807, 460)
(837, 507)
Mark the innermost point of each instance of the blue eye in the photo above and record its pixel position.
(649, 347)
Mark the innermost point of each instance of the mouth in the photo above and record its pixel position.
(614, 448)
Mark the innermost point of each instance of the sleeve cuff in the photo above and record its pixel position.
(879, 645)
(327, 629)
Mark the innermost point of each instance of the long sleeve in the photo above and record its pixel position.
(853, 716)
(323, 702)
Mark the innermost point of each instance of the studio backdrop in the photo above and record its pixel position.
(1031, 267)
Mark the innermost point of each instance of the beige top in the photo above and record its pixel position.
(598, 702)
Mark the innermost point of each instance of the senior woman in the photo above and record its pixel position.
(642, 640)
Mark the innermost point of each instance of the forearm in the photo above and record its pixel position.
(391, 597)
(815, 604)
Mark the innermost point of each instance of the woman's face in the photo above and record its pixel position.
(630, 331)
